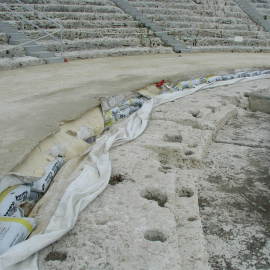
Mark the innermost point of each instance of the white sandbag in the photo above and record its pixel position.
(18, 213)
(196, 82)
(11, 198)
(185, 84)
(14, 230)
(241, 74)
(14, 179)
(228, 77)
(119, 107)
(255, 73)
(34, 196)
(85, 132)
(264, 72)
(214, 79)
(42, 184)
(58, 150)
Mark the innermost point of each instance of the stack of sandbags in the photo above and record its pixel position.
(15, 204)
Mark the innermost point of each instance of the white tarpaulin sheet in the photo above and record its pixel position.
(92, 180)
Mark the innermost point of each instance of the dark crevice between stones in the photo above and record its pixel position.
(155, 235)
(56, 256)
(116, 179)
(196, 113)
(185, 192)
(173, 138)
(189, 153)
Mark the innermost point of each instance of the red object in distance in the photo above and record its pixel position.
(159, 84)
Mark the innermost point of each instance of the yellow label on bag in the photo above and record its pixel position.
(22, 221)
(6, 192)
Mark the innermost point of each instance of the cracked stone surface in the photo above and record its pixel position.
(194, 185)
(234, 194)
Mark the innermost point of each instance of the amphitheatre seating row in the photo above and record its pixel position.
(91, 28)
(206, 24)
(94, 28)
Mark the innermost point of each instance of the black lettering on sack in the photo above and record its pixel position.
(11, 210)
(21, 197)
(49, 177)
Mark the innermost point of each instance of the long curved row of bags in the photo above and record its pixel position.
(115, 108)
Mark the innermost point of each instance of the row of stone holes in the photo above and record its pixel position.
(178, 139)
(150, 194)
(154, 194)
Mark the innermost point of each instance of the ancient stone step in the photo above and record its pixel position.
(231, 49)
(69, 16)
(3, 38)
(219, 33)
(207, 41)
(209, 20)
(52, 60)
(94, 43)
(42, 54)
(71, 34)
(201, 12)
(171, 26)
(68, 24)
(64, 8)
(264, 11)
(11, 51)
(63, 2)
(84, 54)
(263, 5)
(173, 4)
(16, 62)
(259, 1)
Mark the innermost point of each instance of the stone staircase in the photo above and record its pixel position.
(92, 28)
(12, 56)
(31, 48)
(206, 25)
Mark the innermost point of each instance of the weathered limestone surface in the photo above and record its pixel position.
(148, 217)
(234, 194)
(260, 101)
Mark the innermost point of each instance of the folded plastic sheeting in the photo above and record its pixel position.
(91, 180)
